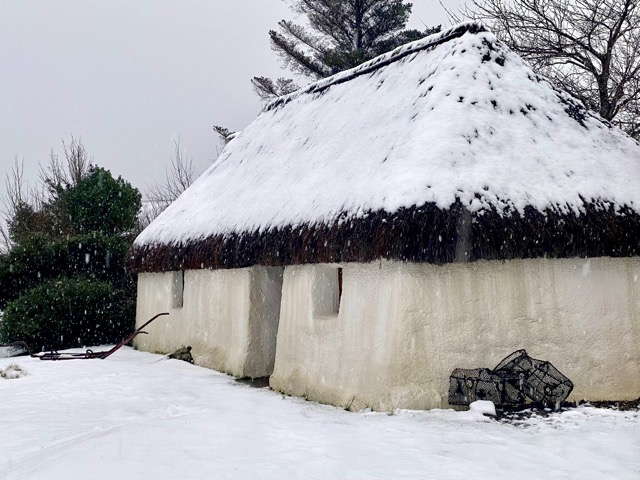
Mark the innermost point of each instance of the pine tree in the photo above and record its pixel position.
(341, 35)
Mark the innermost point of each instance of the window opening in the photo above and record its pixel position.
(335, 290)
(177, 289)
(339, 287)
(328, 287)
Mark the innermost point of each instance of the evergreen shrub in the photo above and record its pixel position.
(38, 259)
(68, 313)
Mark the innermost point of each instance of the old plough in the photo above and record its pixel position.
(87, 354)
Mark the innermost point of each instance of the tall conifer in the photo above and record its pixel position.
(340, 35)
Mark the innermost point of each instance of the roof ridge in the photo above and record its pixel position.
(383, 60)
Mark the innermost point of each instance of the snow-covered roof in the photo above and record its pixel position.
(452, 129)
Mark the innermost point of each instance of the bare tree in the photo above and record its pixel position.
(590, 48)
(75, 167)
(179, 176)
(16, 194)
(27, 209)
(22, 207)
(16, 191)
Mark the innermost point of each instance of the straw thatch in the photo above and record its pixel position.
(416, 234)
(466, 155)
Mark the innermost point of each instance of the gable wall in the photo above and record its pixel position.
(229, 317)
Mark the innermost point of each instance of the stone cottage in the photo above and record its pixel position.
(439, 206)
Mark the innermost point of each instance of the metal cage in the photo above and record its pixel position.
(514, 379)
(542, 382)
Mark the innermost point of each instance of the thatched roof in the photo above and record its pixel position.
(446, 149)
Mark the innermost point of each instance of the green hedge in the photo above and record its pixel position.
(67, 313)
(38, 259)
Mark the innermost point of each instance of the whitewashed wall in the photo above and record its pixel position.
(402, 328)
(229, 317)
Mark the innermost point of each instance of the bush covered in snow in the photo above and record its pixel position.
(68, 313)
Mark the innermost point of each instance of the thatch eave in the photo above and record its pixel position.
(421, 234)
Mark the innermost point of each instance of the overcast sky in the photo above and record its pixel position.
(128, 77)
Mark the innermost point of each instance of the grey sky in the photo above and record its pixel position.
(130, 76)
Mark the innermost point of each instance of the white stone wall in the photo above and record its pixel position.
(402, 328)
(229, 317)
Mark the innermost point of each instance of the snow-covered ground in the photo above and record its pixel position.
(140, 416)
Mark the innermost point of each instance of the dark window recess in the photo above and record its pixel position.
(339, 286)
(177, 289)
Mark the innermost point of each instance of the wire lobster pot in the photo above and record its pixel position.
(468, 385)
(514, 379)
(542, 381)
